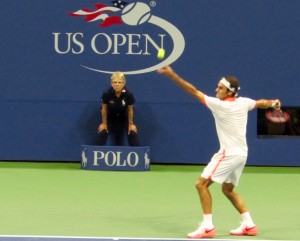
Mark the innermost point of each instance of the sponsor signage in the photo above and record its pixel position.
(115, 158)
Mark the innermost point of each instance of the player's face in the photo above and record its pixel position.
(117, 84)
(222, 92)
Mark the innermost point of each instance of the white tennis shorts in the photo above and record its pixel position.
(225, 169)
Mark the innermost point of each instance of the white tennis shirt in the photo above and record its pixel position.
(231, 116)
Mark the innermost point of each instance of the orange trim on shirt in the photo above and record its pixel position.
(203, 100)
(229, 99)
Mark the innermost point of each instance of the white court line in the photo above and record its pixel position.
(123, 238)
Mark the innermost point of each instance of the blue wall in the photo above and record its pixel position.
(49, 102)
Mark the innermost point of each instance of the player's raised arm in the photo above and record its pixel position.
(264, 104)
(188, 87)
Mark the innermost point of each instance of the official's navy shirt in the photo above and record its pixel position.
(117, 107)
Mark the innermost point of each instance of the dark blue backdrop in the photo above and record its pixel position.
(49, 103)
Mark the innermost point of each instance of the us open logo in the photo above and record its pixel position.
(122, 16)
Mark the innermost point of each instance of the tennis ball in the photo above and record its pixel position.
(136, 14)
(161, 53)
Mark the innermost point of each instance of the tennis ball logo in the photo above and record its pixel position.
(136, 14)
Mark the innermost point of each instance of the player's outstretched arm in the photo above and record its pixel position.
(263, 104)
(188, 87)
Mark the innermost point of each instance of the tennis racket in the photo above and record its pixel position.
(277, 116)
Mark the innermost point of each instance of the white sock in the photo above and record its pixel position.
(246, 217)
(207, 220)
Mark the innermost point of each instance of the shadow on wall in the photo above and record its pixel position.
(88, 123)
(147, 124)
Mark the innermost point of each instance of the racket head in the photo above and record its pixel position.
(277, 116)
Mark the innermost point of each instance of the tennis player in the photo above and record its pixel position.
(226, 166)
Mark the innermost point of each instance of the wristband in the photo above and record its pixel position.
(274, 103)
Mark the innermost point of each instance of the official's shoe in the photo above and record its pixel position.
(202, 232)
(244, 230)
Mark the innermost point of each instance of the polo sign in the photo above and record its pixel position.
(115, 158)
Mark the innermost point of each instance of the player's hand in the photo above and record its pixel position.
(276, 104)
(167, 70)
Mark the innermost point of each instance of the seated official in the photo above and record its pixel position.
(117, 114)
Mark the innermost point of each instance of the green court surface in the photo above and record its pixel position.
(60, 199)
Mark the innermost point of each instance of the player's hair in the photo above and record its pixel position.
(118, 75)
(234, 83)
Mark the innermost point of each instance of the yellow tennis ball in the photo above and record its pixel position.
(161, 53)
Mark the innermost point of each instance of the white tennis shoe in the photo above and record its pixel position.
(245, 230)
(202, 232)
